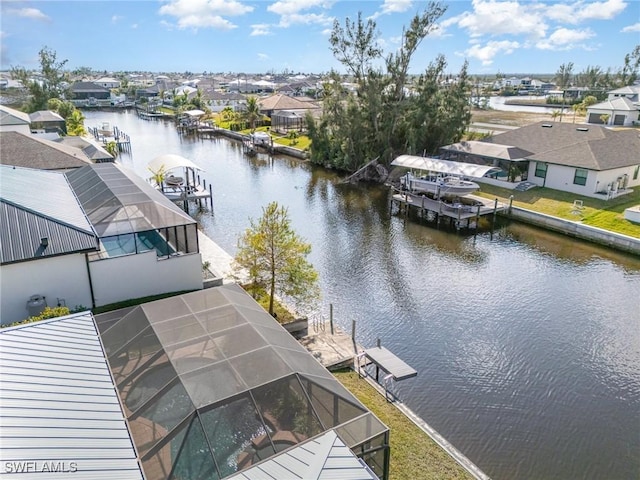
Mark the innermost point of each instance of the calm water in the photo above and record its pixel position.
(527, 343)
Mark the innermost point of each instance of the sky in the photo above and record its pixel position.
(265, 36)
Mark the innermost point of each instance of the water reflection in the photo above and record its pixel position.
(527, 343)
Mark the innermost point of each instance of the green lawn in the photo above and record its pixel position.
(414, 456)
(606, 214)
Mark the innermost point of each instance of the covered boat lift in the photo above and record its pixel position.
(177, 188)
(446, 167)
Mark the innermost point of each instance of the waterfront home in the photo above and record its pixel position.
(86, 91)
(286, 112)
(129, 241)
(588, 160)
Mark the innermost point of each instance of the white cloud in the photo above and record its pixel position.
(491, 17)
(565, 39)
(263, 56)
(260, 29)
(290, 12)
(32, 13)
(134, 26)
(392, 6)
(486, 53)
(305, 19)
(631, 28)
(582, 11)
(116, 18)
(204, 13)
(290, 7)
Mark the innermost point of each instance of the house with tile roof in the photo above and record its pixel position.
(589, 160)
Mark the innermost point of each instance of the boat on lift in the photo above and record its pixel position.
(438, 185)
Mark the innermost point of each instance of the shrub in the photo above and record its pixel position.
(48, 312)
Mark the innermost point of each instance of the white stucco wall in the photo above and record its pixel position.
(561, 178)
(64, 277)
(134, 276)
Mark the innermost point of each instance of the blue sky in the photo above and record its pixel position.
(515, 36)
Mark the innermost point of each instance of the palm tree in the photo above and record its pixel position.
(252, 113)
(605, 118)
(555, 114)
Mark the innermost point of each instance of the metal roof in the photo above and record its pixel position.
(117, 201)
(323, 458)
(22, 234)
(43, 192)
(442, 166)
(60, 415)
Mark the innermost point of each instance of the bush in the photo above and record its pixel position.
(48, 312)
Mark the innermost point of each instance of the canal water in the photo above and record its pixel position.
(526, 343)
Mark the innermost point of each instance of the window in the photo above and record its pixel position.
(580, 178)
(635, 172)
(541, 170)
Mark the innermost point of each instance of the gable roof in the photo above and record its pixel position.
(10, 116)
(30, 151)
(628, 90)
(59, 404)
(27, 215)
(583, 146)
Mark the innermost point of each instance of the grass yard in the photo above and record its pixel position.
(413, 454)
(605, 214)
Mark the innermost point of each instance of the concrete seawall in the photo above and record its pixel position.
(576, 229)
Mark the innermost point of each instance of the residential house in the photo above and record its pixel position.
(92, 149)
(46, 121)
(218, 101)
(87, 93)
(286, 112)
(44, 242)
(14, 120)
(621, 108)
(129, 240)
(107, 82)
(588, 160)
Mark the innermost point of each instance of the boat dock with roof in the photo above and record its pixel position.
(461, 210)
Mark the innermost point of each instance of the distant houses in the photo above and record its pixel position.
(621, 108)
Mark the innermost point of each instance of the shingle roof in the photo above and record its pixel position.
(29, 151)
(92, 150)
(9, 116)
(45, 116)
(88, 87)
(584, 146)
(59, 404)
(27, 215)
(284, 102)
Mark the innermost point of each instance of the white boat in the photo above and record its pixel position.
(438, 185)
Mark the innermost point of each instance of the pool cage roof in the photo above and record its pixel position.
(117, 201)
(211, 384)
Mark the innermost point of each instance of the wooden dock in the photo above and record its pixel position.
(333, 350)
(461, 212)
(122, 140)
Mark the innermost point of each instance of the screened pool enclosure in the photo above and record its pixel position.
(129, 215)
(211, 385)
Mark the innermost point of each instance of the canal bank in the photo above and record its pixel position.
(575, 229)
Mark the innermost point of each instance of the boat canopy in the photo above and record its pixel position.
(171, 161)
(442, 166)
